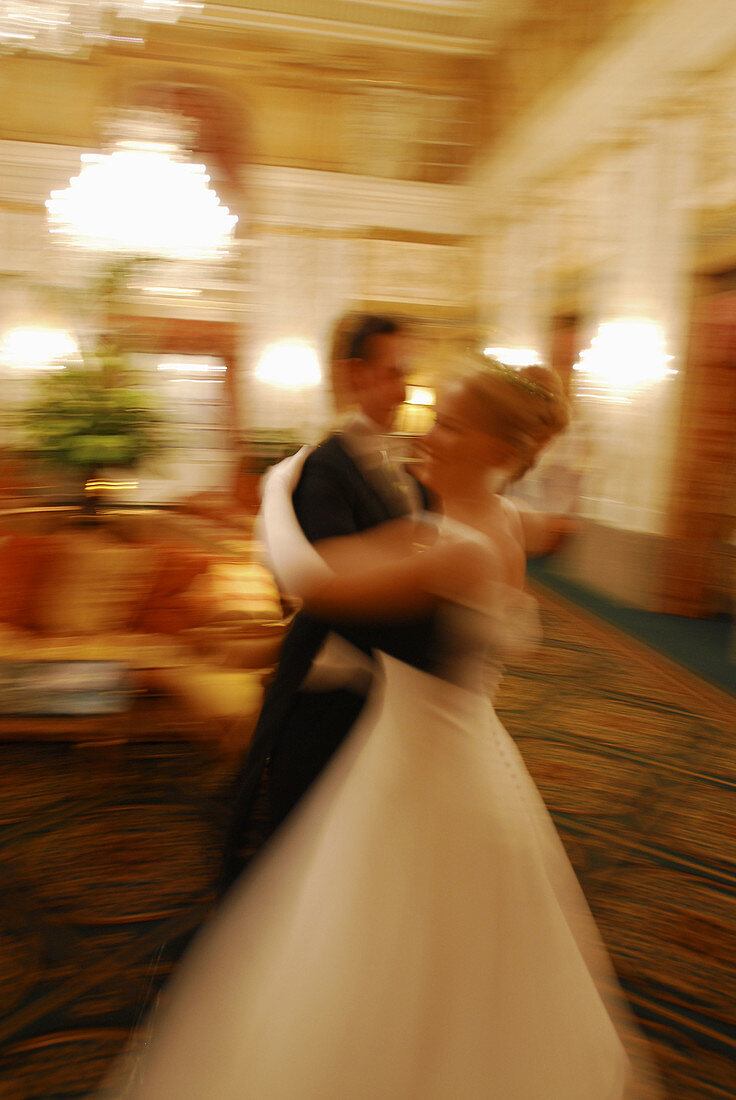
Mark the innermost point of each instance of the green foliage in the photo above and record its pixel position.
(93, 414)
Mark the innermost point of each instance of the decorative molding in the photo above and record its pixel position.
(403, 242)
(305, 232)
(409, 236)
(417, 274)
(621, 86)
(449, 316)
(435, 7)
(30, 170)
(370, 31)
(295, 196)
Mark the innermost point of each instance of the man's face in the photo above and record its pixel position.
(379, 381)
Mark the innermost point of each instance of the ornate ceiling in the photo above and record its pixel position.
(399, 89)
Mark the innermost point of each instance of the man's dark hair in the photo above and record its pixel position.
(370, 324)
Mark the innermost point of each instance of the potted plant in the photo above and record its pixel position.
(92, 415)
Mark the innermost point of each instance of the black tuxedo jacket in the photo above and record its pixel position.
(332, 499)
(298, 731)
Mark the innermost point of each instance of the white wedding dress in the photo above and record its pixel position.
(415, 932)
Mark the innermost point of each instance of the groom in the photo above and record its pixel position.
(350, 483)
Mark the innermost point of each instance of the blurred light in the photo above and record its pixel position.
(419, 395)
(514, 357)
(209, 381)
(152, 11)
(71, 26)
(103, 485)
(290, 364)
(171, 291)
(144, 197)
(626, 356)
(195, 367)
(38, 349)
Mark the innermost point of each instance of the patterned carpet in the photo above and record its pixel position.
(108, 856)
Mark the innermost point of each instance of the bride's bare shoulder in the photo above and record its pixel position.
(511, 512)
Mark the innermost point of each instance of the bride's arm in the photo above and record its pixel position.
(543, 533)
(298, 564)
(399, 587)
(384, 544)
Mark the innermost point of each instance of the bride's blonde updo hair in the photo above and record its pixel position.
(555, 412)
(523, 407)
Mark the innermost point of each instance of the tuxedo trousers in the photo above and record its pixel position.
(286, 756)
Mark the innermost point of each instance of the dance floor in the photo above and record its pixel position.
(109, 854)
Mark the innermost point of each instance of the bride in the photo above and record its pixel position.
(415, 931)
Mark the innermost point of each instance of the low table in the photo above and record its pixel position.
(157, 715)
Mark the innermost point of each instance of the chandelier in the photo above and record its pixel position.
(145, 197)
(74, 26)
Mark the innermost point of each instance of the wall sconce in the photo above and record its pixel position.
(38, 349)
(624, 358)
(290, 364)
(416, 415)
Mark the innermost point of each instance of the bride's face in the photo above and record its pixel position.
(455, 453)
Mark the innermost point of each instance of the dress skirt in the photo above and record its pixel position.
(414, 932)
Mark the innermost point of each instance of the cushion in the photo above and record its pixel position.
(168, 609)
(24, 560)
(96, 585)
(177, 568)
(172, 614)
(238, 590)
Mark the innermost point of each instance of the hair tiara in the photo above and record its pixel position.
(517, 379)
